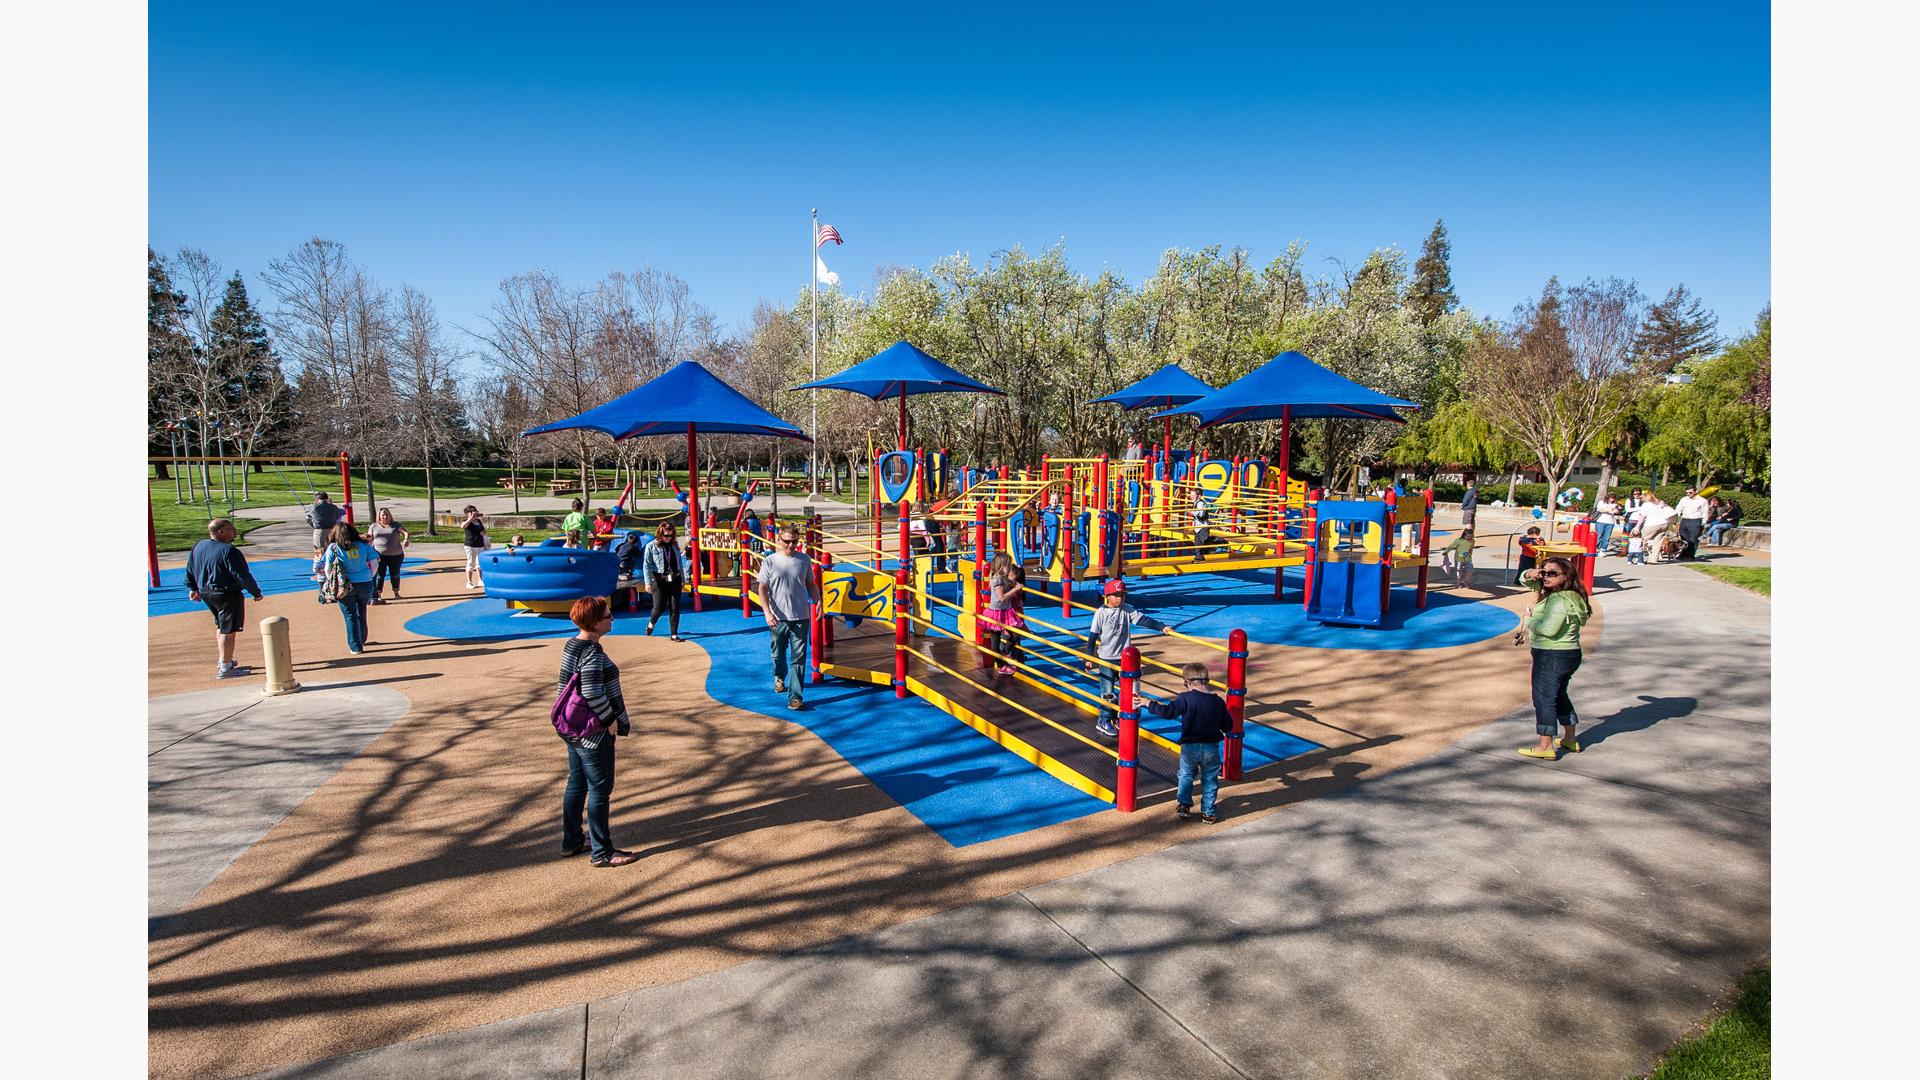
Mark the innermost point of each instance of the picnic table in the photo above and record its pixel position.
(561, 487)
(514, 483)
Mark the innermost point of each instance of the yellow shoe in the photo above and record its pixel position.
(1543, 755)
(1571, 746)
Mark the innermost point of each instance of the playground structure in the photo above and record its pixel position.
(1352, 554)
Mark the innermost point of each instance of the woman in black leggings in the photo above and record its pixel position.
(662, 575)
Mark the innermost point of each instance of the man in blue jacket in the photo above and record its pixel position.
(217, 574)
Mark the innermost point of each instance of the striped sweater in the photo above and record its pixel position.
(599, 681)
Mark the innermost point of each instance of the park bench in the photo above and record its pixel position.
(514, 483)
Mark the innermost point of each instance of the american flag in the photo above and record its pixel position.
(827, 232)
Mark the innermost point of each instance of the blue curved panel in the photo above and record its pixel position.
(546, 573)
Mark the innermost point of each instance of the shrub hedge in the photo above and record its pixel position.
(1754, 509)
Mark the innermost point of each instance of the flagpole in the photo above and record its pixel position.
(813, 256)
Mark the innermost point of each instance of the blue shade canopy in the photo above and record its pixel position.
(1292, 385)
(1163, 389)
(898, 370)
(688, 397)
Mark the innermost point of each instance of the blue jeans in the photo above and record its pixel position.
(1717, 532)
(1202, 758)
(353, 609)
(789, 636)
(1109, 688)
(1603, 533)
(589, 786)
(1552, 708)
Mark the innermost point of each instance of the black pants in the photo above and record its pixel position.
(666, 597)
(1552, 670)
(1690, 536)
(1527, 563)
(389, 567)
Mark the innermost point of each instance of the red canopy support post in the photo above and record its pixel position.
(906, 537)
(746, 576)
(1280, 540)
(693, 510)
(1286, 446)
(980, 577)
(1167, 441)
(1002, 529)
(901, 440)
(900, 633)
(1236, 702)
(346, 488)
(1128, 765)
(153, 548)
(1238, 490)
(1066, 548)
(1046, 467)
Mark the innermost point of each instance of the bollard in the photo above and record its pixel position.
(1124, 784)
(1236, 702)
(276, 643)
(900, 633)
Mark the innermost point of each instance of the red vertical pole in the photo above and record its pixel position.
(693, 510)
(746, 578)
(1124, 783)
(900, 633)
(1167, 442)
(901, 440)
(1046, 466)
(1286, 447)
(980, 575)
(1066, 547)
(906, 537)
(153, 548)
(1426, 546)
(826, 617)
(1280, 540)
(814, 641)
(1001, 529)
(1236, 702)
(346, 488)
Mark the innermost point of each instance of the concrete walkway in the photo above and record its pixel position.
(1474, 915)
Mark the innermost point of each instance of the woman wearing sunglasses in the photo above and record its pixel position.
(1552, 627)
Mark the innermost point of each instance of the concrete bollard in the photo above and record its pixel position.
(275, 634)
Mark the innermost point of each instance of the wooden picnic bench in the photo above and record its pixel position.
(514, 483)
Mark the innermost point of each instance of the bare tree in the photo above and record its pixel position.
(201, 379)
(428, 406)
(540, 334)
(1551, 381)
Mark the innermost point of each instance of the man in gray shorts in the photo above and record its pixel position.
(787, 593)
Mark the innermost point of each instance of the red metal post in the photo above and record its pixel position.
(901, 443)
(1312, 538)
(1046, 466)
(153, 548)
(1124, 783)
(1235, 489)
(346, 488)
(1280, 541)
(1236, 702)
(746, 578)
(980, 576)
(900, 633)
(826, 617)
(1426, 547)
(693, 510)
(1066, 547)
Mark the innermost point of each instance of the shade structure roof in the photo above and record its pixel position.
(1163, 389)
(898, 370)
(686, 397)
(1291, 385)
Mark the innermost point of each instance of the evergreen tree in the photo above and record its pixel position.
(253, 406)
(1431, 294)
(1677, 329)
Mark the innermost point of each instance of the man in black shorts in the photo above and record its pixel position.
(217, 574)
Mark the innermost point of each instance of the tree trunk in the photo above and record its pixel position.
(430, 531)
(1606, 480)
(1513, 480)
(160, 471)
(366, 471)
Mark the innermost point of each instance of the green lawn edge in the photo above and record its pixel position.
(1758, 579)
(1737, 1045)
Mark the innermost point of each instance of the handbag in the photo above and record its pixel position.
(334, 586)
(573, 718)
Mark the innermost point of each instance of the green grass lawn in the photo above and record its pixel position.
(1738, 1045)
(1751, 578)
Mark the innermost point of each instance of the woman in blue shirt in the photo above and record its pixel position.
(357, 560)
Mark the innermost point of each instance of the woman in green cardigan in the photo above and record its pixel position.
(1552, 627)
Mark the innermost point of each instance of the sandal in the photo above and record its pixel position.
(618, 858)
(1543, 755)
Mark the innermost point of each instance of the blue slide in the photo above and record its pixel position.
(1348, 592)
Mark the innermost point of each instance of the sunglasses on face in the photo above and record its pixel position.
(1551, 573)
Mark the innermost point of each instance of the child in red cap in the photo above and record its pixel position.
(1110, 634)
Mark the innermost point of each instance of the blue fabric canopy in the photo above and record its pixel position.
(898, 370)
(1169, 386)
(688, 397)
(1291, 385)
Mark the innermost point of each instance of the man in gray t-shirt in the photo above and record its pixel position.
(787, 593)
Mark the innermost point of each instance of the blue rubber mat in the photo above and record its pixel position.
(274, 576)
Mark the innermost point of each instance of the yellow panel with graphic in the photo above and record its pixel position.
(864, 593)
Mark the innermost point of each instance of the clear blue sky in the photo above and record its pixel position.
(448, 146)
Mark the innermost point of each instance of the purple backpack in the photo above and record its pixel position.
(573, 718)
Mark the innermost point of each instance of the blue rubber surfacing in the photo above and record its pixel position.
(275, 577)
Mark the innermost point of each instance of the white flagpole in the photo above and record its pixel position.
(813, 256)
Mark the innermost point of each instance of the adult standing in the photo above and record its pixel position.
(473, 539)
(575, 525)
(357, 560)
(662, 574)
(1606, 513)
(390, 540)
(787, 593)
(1630, 512)
(590, 757)
(322, 516)
(1552, 629)
(217, 575)
(1693, 521)
(1469, 503)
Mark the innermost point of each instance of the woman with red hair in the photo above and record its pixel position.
(590, 757)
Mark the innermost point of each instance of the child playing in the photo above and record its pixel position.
(517, 541)
(1529, 553)
(1202, 533)
(1002, 616)
(1110, 634)
(1636, 550)
(1457, 559)
(1204, 725)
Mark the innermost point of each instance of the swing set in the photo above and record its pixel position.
(181, 467)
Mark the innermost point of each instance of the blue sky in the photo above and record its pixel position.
(449, 146)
